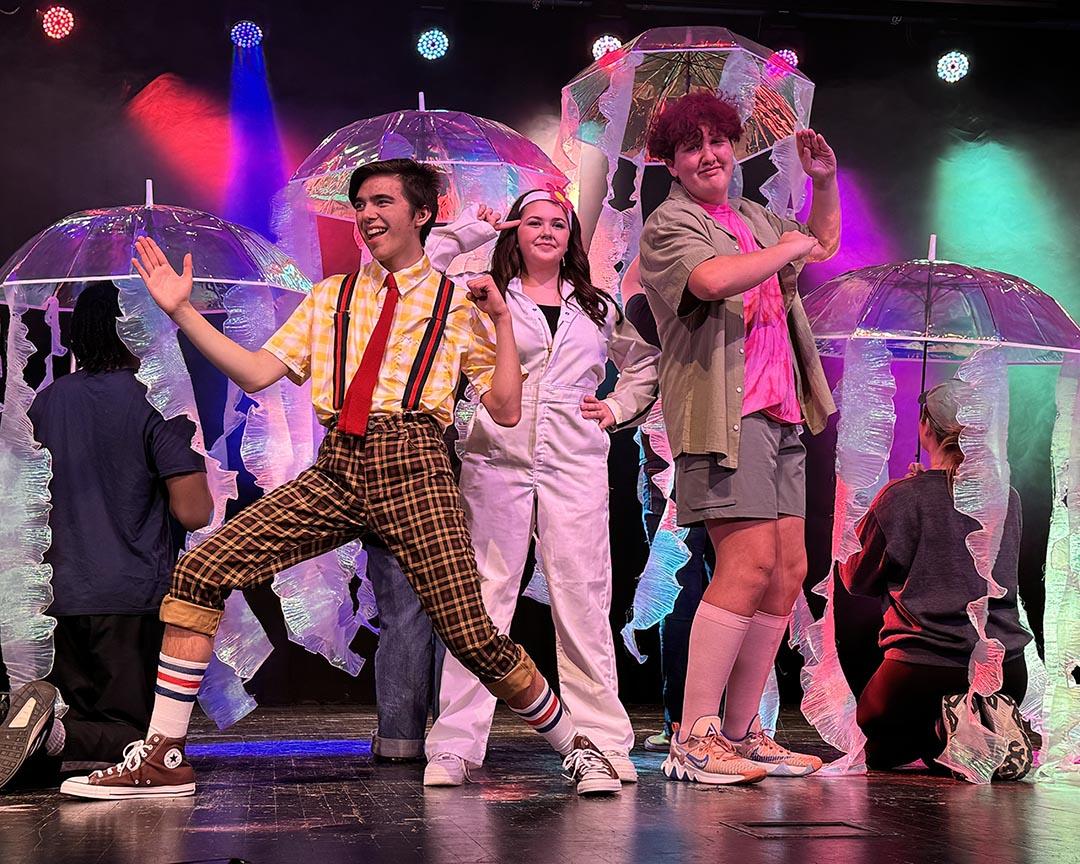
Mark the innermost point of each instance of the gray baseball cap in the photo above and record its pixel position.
(943, 402)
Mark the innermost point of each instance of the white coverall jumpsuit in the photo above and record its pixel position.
(551, 467)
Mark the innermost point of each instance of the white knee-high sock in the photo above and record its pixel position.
(751, 672)
(176, 688)
(548, 717)
(715, 639)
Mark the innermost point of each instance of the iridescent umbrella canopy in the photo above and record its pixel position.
(667, 63)
(97, 245)
(985, 320)
(612, 104)
(255, 287)
(944, 309)
(483, 162)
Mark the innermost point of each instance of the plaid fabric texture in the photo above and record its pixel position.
(395, 482)
(305, 343)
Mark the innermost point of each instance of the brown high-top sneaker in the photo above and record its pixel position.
(154, 768)
(587, 767)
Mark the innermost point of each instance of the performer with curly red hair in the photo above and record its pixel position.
(739, 377)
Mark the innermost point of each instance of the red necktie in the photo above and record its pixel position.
(354, 412)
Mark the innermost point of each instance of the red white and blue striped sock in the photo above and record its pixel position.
(176, 688)
(547, 716)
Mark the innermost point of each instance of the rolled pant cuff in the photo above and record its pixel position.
(397, 748)
(189, 616)
(516, 681)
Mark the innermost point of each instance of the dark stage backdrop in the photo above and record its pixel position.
(143, 90)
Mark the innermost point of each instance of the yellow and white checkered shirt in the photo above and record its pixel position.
(305, 343)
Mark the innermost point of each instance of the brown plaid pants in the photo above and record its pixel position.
(395, 482)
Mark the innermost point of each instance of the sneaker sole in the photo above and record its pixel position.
(1005, 719)
(656, 748)
(678, 771)
(437, 776)
(599, 786)
(783, 769)
(441, 782)
(105, 793)
(16, 744)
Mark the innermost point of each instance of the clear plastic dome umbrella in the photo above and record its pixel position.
(939, 310)
(98, 245)
(484, 161)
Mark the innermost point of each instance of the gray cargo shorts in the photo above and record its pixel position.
(770, 481)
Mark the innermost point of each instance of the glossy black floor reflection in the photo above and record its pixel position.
(299, 785)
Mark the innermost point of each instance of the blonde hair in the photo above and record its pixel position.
(948, 440)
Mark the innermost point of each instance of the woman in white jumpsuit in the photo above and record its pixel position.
(549, 472)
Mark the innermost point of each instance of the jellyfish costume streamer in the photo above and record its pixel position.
(240, 275)
(937, 311)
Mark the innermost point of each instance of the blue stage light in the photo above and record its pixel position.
(433, 44)
(246, 34)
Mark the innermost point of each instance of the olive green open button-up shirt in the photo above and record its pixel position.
(701, 367)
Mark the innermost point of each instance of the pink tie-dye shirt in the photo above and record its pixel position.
(769, 379)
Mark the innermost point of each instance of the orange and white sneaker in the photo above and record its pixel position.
(777, 760)
(707, 757)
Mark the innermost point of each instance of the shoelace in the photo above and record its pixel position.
(134, 754)
(451, 758)
(768, 745)
(583, 761)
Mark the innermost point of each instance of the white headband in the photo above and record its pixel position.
(556, 198)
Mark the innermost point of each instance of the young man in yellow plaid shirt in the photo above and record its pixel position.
(383, 348)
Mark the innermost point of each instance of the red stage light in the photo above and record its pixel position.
(57, 22)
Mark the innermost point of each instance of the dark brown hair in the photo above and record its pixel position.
(507, 263)
(420, 182)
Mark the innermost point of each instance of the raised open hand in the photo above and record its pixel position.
(170, 290)
(817, 157)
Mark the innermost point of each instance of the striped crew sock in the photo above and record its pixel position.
(546, 716)
(176, 688)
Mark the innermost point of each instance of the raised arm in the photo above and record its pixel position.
(251, 370)
(503, 399)
(819, 161)
(474, 227)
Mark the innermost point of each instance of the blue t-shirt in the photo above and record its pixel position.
(112, 551)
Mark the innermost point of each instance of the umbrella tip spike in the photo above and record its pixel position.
(931, 252)
(420, 101)
(149, 192)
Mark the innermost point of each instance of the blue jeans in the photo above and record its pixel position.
(403, 660)
(675, 628)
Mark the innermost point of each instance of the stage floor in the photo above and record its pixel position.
(299, 785)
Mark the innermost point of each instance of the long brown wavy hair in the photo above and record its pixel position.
(507, 263)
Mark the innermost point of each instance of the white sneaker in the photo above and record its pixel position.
(446, 769)
(620, 761)
(590, 769)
